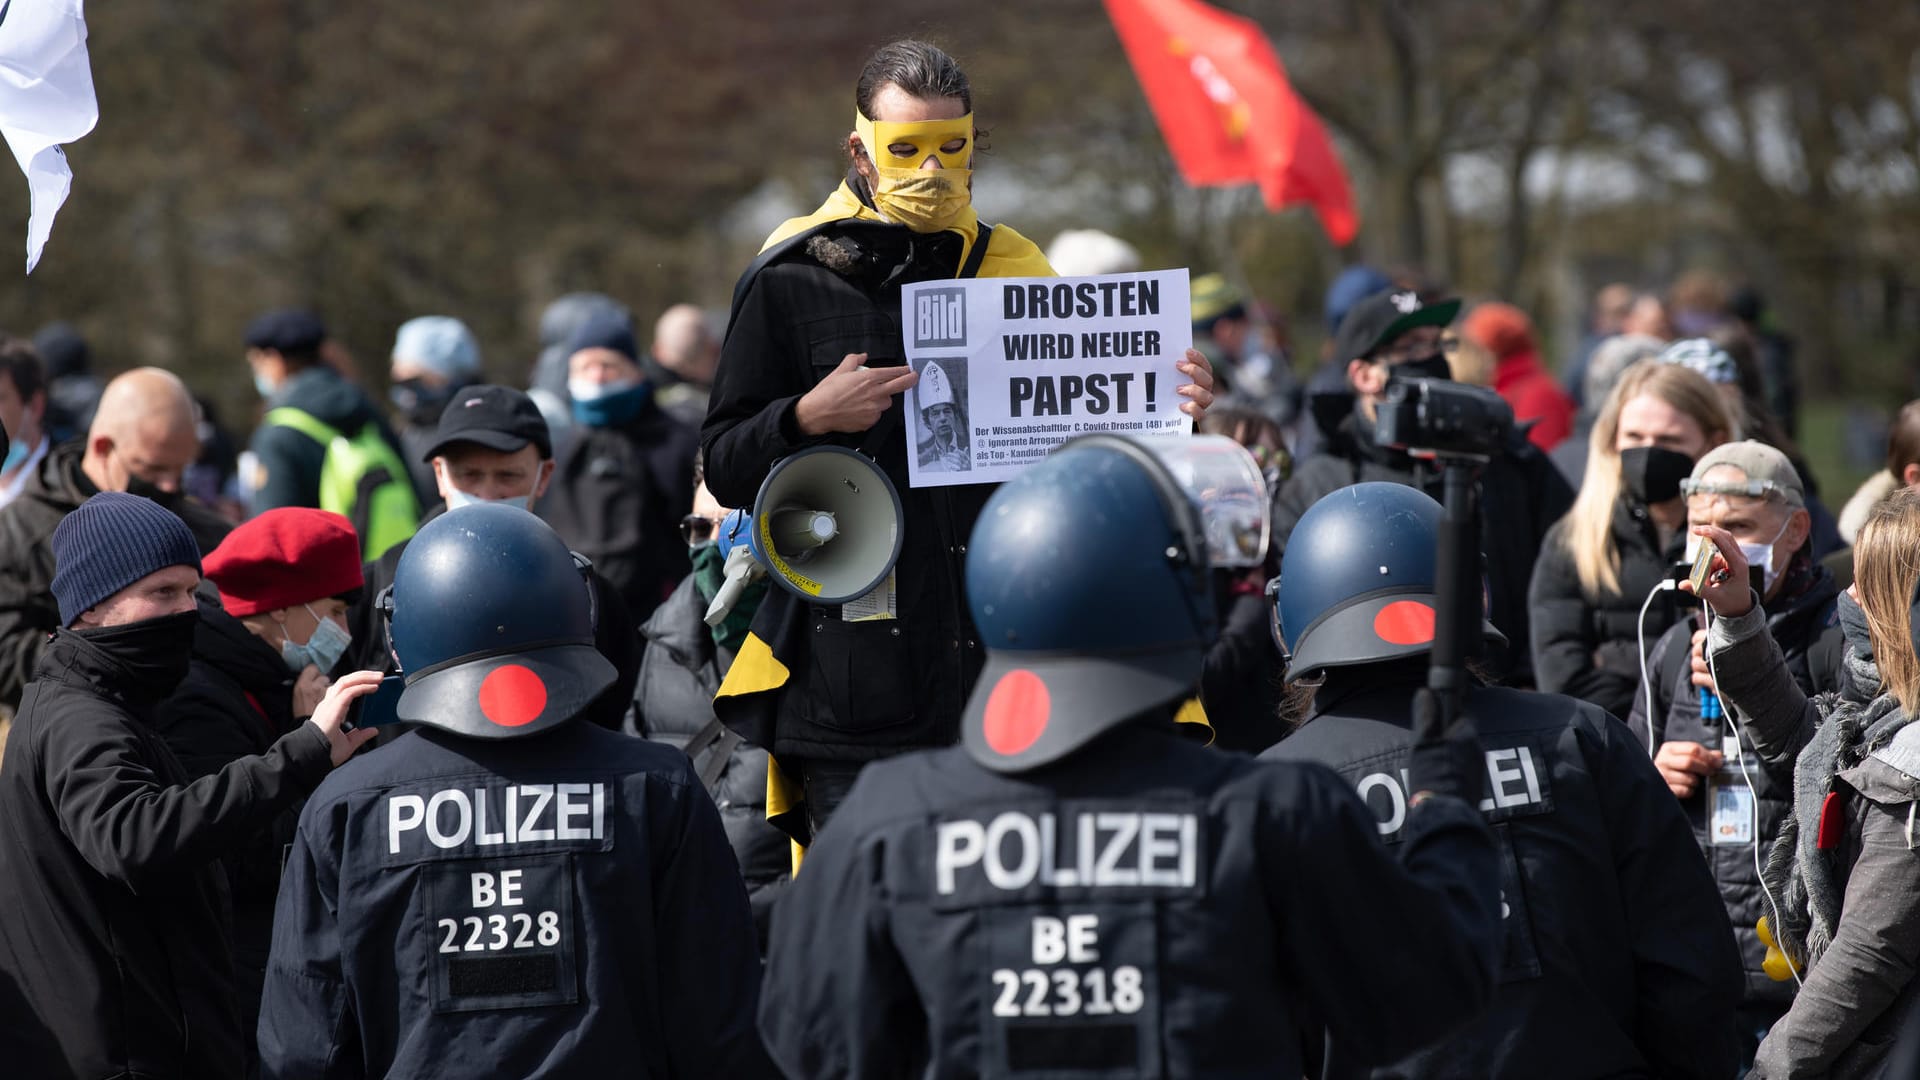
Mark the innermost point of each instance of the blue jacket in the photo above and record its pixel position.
(563, 904)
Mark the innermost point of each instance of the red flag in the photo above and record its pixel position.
(1227, 111)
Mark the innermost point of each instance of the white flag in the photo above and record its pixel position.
(46, 99)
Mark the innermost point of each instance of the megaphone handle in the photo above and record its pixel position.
(739, 572)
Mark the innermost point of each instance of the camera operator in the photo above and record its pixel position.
(1394, 334)
(1619, 959)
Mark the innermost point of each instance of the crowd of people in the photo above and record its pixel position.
(410, 740)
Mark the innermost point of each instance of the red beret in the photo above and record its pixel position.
(1501, 329)
(285, 558)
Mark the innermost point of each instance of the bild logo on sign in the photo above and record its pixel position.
(940, 318)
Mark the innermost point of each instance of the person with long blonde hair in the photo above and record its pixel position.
(1601, 562)
(1843, 879)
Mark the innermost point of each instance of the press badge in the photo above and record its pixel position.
(503, 934)
(1731, 805)
(881, 603)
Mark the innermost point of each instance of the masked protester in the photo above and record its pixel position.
(685, 660)
(1753, 491)
(1596, 591)
(1078, 888)
(623, 481)
(142, 441)
(813, 355)
(1618, 959)
(1843, 877)
(1394, 334)
(492, 446)
(109, 850)
(272, 623)
(321, 443)
(434, 356)
(507, 890)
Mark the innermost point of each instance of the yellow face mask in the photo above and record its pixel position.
(924, 200)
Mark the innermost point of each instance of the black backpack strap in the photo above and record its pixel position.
(971, 267)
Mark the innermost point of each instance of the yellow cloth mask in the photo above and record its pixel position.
(924, 200)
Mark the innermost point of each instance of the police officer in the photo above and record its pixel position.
(507, 890)
(1077, 887)
(1619, 958)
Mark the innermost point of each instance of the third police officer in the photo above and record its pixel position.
(1619, 959)
(1078, 888)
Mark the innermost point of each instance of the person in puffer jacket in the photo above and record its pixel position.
(1753, 491)
(673, 703)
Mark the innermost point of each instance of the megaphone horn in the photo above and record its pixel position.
(827, 524)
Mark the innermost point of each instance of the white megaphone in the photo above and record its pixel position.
(827, 526)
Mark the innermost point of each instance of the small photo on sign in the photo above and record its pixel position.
(940, 398)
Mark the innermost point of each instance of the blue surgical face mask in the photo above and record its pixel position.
(323, 650)
(263, 385)
(457, 499)
(16, 456)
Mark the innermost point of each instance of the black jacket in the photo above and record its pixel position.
(1585, 646)
(617, 497)
(562, 904)
(1619, 960)
(1809, 636)
(1521, 496)
(237, 700)
(673, 704)
(288, 461)
(1145, 907)
(1240, 683)
(28, 612)
(114, 939)
(858, 690)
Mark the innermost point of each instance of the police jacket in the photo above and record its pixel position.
(27, 609)
(673, 703)
(558, 905)
(868, 688)
(1145, 907)
(617, 497)
(1521, 496)
(237, 700)
(1619, 960)
(1803, 623)
(114, 948)
(1586, 646)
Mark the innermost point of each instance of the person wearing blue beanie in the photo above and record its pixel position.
(110, 868)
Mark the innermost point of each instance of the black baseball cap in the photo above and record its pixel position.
(496, 417)
(1378, 319)
(286, 330)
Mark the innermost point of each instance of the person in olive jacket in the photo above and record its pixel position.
(114, 954)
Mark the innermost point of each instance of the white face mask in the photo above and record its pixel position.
(457, 499)
(588, 390)
(1761, 555)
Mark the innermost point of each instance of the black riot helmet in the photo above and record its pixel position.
(1088, 578)
(1357, 582)
(492, 622)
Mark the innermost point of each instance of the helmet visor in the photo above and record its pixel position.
(1221, 479)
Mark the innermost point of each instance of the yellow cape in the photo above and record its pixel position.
(1008, 254)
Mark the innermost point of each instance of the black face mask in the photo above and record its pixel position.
(153, 653)
(1652, 474)
(422, 404)
(1422, 367)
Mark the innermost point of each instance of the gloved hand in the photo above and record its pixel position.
(1446, 759)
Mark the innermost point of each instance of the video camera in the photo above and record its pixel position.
(1436, 418)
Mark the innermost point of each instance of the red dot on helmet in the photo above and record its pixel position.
(512, 695)
(1016, 712)
(1404, 622)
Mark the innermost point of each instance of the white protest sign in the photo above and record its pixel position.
(1010, 368)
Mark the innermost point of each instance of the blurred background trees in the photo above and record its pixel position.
(381, 160)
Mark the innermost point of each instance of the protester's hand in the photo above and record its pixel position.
(1702, 674)
(1199, 392)
(851, 399)
(1727, 590)
(1682, 764)
(308, 689)
(331, 716)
